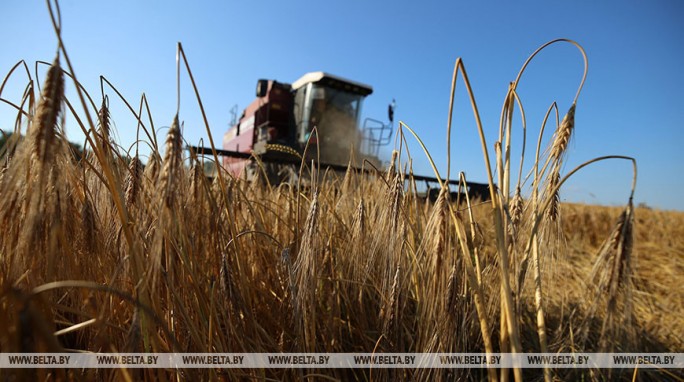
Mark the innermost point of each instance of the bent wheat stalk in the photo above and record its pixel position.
(478, 292)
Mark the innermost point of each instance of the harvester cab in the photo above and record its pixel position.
(332, 106)
(319, 111)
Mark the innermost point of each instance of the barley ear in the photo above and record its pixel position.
(612, 274)
(305, 276)
(196, 182)
(393, 166)
(516, 212)
(390, 311)
(133, 181)
(451, 293)
(43, 129)
(172, 167)
(553, 212)
(103, 122)
(563, 135)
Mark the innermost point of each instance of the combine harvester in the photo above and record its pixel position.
(277, 128)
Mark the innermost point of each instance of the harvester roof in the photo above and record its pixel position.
(334, 82)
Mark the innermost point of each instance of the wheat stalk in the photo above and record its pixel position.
(612, 273)
(390, 311)
(305, 275)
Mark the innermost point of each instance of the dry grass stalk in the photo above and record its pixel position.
(305, 276)
(439, 223)
(436, 258)
(451, 293)
(134, 337)
(390, 311)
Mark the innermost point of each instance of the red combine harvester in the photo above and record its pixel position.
(278, 128)
(280, 123)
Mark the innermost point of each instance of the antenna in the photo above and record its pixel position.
(233, 115)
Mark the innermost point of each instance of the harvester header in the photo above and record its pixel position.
(317, 117)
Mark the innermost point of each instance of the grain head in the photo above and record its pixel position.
(133, 182)
(42, 132)
(563, 135)
(171, 174)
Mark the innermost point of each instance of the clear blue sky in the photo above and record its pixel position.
(631, 103)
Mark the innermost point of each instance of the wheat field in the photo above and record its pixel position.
(105, 253)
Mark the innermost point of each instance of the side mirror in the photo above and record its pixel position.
(262, 88)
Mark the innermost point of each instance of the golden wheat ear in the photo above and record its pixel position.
(563, 135)
(173, 164)
(42, 131)
(552, 193)
(612, 274)
(515, 210)
(133, 181)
